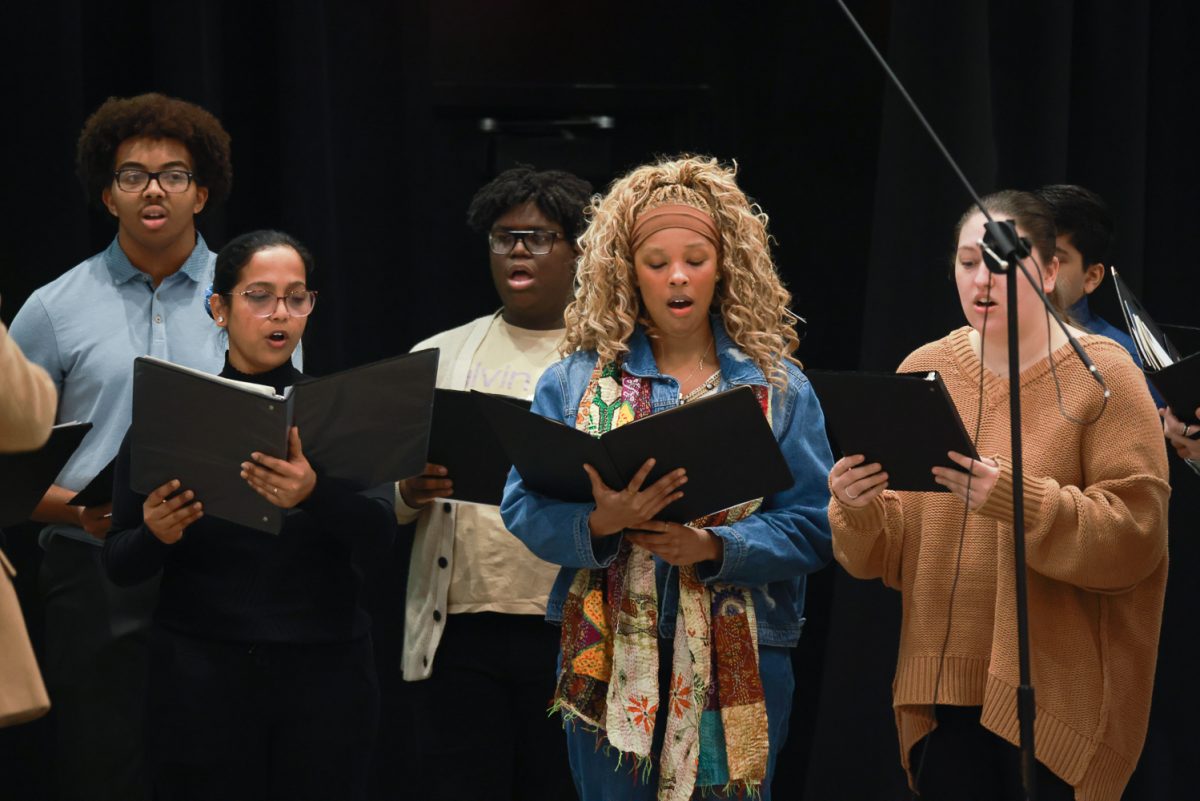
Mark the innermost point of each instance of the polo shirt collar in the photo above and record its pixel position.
(122, 269)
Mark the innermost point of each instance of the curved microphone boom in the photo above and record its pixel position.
(1002, 248)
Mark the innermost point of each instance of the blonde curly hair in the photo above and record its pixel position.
(750, 297)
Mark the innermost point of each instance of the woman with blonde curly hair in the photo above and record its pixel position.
(677, 297)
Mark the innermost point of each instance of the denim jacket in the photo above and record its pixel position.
(771, 552)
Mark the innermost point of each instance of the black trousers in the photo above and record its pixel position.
(482, 729)
(270, 722)
(966, 762)
(95, 672)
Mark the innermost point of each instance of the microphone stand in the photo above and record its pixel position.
(1003, 250)
(1002, 238)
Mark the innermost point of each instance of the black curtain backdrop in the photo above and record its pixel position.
(364, 128)
(1023, 93)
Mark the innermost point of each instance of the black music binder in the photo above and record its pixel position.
(365, 426)
(1177, 379)
(707, 437)
(905, 421)
(462, 441)
(25, 477)
(99, 490)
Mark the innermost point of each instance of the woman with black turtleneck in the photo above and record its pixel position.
(262, 681)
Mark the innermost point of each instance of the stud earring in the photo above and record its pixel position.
(220, 319)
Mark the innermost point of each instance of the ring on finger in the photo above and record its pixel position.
(275, 490)
(851, 497)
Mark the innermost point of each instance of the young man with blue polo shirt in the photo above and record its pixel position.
(1084, 238)
(154, 163)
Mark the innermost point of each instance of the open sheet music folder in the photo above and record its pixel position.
(25, 477)
(1177, 379)
(364, 426)
(462, 442)
(905, 421)
(699, 436)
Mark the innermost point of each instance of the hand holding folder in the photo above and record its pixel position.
(365, 426)
(462, 442)
(904, 421)
(698, 437)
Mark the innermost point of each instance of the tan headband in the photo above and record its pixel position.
(673, 216)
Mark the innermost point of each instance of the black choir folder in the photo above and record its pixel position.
(905, 421)
(25, 477)
(462, 442)
(723, 441)
(99, 490)
(1176, 378)
(364, 426)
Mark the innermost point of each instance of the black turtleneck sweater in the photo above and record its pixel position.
(227, 582)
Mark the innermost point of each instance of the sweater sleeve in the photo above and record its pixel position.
(868, 541)
(131, 552)
(28, 401)
(789, 535)
(1111, 532)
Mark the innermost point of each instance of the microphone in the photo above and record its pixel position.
(1001, 238)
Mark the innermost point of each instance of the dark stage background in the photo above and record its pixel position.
(364, 128)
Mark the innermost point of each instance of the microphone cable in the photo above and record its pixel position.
(962, 535)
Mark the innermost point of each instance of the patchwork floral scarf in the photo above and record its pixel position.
(716, 729)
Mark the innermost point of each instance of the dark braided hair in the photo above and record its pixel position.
(560, 195)
(153, 116)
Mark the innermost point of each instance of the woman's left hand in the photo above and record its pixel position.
(677, 544)
(984, 474)
(283, 483)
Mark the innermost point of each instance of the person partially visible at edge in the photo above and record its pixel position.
(675, 673)
(1084, 234)
(474, 634)
(154, 163)
(28, 401)
(1096, 492)
(262, 682)
(1083, 228)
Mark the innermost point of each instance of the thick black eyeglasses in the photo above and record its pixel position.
(537, 242)
(173, 181)
(263, 304)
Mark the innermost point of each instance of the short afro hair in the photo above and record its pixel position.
(154, 116)
(560, 195)
(1083, 216)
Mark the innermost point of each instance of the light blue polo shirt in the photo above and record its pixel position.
(87, 327)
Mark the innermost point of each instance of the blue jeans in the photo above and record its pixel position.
(598, 775)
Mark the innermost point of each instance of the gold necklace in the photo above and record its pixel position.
(702, 389)
(698, 367)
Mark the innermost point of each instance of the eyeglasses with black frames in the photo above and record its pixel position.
(133, 180)
(537, 241)
(261, 303)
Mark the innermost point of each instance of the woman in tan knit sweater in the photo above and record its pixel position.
(1096, 537)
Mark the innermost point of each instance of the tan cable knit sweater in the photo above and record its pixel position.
(1096, 546)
